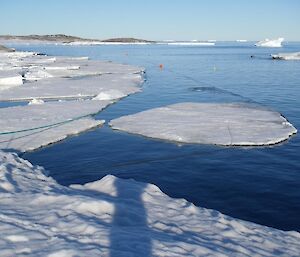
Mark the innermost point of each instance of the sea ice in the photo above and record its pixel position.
(117, 217)
(191, 43)
(9, 79)
(207, 123)
(55, 78)
(64, 88)
(287, 56)
(270, 42)
(25, 128)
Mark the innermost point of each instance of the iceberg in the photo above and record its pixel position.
(207, 123)
(270, 42)
(118, 217)
(287, 56)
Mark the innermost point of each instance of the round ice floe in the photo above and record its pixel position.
(206, 123)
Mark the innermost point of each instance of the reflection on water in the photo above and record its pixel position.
(255, 184)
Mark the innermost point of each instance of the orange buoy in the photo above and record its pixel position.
(161, 66)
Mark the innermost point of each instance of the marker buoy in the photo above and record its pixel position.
(161, 66)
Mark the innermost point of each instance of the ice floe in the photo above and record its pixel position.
(117, 217)
(64, 88)
(207, 123)
(57, 78)
(25, 128)
(191, 43)
(270, 42)
(9, 79)
(287, 56)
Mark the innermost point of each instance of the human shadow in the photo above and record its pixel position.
(130, 234)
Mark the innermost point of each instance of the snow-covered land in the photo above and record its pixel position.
(287, 56)
(116, 217)
(90, 43)
(206, 123)
(270, 42)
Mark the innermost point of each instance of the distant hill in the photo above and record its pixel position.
(67, 39)
(127, 40)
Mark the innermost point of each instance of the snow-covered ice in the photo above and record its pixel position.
(190, 43)
(64, 88)
(55, 78)
(116, 217)
(207, 123)
(287, 56)
(270, 42)
(9, 79)
(25, 128)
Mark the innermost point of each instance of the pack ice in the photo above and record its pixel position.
(116, 217)
(287, 56)
(270, 42)
(27, 76)
(208, 123)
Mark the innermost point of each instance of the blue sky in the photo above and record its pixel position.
(154, 19)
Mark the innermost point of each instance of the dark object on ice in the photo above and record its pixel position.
(6, 49)
(252, 56)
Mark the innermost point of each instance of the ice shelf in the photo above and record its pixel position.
(206, 123)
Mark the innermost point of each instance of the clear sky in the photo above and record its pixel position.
(154, 19)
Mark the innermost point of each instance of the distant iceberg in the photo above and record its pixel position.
(287, 56)
(241, 40)
(270, 42)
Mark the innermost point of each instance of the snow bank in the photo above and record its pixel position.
(205, 123)
(287, 56)
(25, 128)
(270, 42)
(116, 217)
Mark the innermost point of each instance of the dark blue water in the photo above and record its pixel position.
(256, 184)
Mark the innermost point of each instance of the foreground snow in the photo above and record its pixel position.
(221, 124)
(270, 42)
(287, 56)
(116, 217)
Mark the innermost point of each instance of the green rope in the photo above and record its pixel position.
(45, 126)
